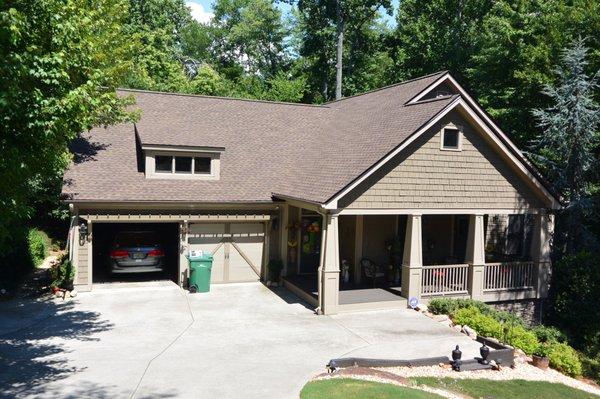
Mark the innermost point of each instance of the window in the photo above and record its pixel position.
(164, 164)
(180, 164)
(183, 165)
(450, 138)
(202, 165)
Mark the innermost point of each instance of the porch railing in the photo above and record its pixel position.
(444, 280)
(508, 276)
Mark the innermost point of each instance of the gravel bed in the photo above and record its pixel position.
(523, 371)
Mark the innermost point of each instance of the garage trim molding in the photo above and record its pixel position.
(172, 218)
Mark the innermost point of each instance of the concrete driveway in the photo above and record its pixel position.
(240, 340)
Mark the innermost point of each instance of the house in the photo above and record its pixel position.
(406, 191)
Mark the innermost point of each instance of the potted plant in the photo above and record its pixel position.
(274, 267)
(540, 356)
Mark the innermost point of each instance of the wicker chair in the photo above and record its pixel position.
(371, 270)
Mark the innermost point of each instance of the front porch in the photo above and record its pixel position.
(376, 261)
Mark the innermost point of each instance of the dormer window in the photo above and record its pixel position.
(451, 138)
(184, 163)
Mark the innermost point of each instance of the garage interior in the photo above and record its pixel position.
(103, 236)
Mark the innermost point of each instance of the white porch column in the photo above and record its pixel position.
(283, 238)
(358, 248)
(540, 251)
(475, 256)
(330, 267)
(412, 261)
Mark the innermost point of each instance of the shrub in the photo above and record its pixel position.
(591, 367)
(63, 273)
(521, 338)
(564, 359)
(484, 325)
(450, 306)
(38, 246)
(547, 334)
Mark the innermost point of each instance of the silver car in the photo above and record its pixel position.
(136, 252)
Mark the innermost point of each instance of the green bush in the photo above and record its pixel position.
(38, 246)
(63, 273)
(564, 359)
(484, 325)
(591, 367)
(521, 338)
(450, 306)
(547, 334)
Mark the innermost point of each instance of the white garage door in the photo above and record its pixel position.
(237, 249)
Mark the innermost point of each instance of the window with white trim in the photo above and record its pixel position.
(161, 165)
(451, 138)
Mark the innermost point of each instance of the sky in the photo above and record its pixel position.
(202, 10)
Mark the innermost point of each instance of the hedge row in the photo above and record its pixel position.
(511, 329)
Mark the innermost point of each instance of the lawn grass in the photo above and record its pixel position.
(347, 388)
(511, 389)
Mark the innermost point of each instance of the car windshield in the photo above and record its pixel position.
(136, 239)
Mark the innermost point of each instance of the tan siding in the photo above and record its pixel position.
(424, 176)
(82, 264)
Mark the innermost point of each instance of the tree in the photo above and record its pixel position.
(61, 61)
(249, 37)
(157, 27)
(331, 31)
(569, 142)
(437, 35)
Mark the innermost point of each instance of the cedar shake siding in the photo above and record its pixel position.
(425, 177)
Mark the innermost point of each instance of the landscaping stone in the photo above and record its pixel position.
(458, 327)
(422, 308)
(440, 318)
(470, 332)
(73, 293)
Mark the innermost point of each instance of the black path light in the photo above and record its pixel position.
(456, 362)
(485, 352)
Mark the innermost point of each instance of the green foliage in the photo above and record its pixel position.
(450, 306)
(483, 324)
(575, 295)
(547, 334)
(61, 61)
(208, 82)
(521, 338)
(591, 367)
(564, 359)
(38, 243)
(63, 273)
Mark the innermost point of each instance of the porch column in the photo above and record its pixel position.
(475, 256)
(330, 267)
(358, 248)
(412, 261)
(540, 251)
(183, 250)
(283, 242)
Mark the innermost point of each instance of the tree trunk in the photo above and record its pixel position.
(340, 50)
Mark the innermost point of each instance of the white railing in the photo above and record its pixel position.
(444, 279)
(508, 276)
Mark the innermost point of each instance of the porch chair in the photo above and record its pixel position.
(371, 270)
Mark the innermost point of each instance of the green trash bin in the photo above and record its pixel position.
(200, 268)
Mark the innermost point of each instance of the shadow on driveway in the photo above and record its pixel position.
(30, 354)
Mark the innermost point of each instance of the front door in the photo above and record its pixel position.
(237, 249)
(310, 244)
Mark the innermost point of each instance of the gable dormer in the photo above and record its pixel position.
(182, 162)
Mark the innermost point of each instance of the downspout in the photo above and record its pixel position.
(321, 269)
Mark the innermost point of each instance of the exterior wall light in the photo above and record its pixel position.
(83, 232)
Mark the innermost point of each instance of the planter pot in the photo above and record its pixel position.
(541, 362)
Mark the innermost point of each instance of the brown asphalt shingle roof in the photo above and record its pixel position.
(302, 151)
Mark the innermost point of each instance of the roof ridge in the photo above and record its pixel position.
(219, 97)
(387, 87)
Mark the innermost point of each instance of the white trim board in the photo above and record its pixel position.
(459, 101)
(432, 211)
